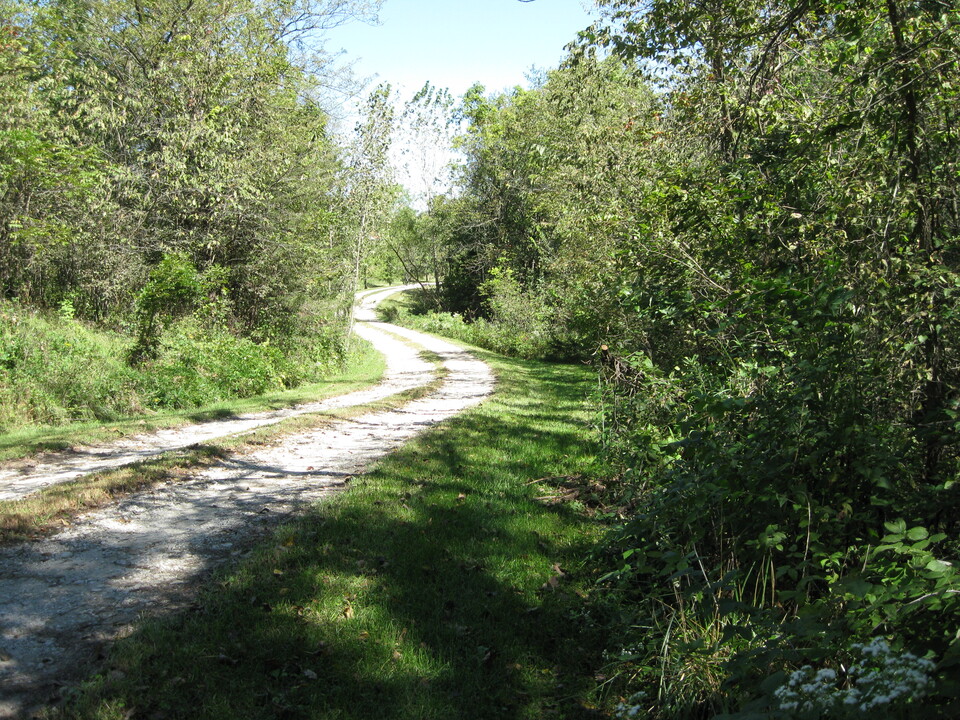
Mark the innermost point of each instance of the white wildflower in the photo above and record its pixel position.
(883, 678)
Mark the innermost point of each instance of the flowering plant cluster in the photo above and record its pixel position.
(882, 682)
(630, 708)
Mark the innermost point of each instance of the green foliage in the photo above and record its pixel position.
(413, 249)
(174, 289)
(795, 352)
(480, 332)
(45, 362)
(753, 214)
(198, 364)
(517, 315)
(47, 173)
(372, 195)
(548, 187)
(190, 131)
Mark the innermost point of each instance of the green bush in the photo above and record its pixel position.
(175, 288)
(489, 334)
(521, 323)
(772, 518)
(197, 364)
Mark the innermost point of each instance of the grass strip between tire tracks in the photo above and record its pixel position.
(55, 506)
(441, 585)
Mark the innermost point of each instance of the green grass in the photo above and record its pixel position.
(406, 301)
(441, 585)
(56, 371)
(416, 309)
(364, 369)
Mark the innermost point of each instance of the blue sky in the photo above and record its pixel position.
(454, 43)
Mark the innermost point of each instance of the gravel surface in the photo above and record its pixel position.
(63, 597)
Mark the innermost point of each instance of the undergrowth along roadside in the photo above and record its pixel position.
(444, 584)
(365, 367)
(56, 370)
(412, 309)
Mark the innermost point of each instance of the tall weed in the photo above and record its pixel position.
(55, 370)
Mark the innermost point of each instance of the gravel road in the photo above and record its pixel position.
(62, 598)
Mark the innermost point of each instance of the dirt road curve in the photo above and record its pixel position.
(25, 477)
(63, 597)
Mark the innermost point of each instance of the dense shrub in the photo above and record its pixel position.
(773, 520)
(748, 213)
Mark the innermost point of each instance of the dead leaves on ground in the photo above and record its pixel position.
(572, 488)
(553, 582)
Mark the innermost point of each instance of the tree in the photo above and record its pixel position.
(797, 384)
(427, 124)
(368, 180)
(553, 180)
(183, 128)
(47, 172)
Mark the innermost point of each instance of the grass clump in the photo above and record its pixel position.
(441, 585)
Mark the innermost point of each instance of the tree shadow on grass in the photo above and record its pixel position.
(214, 414)
(439, 588)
